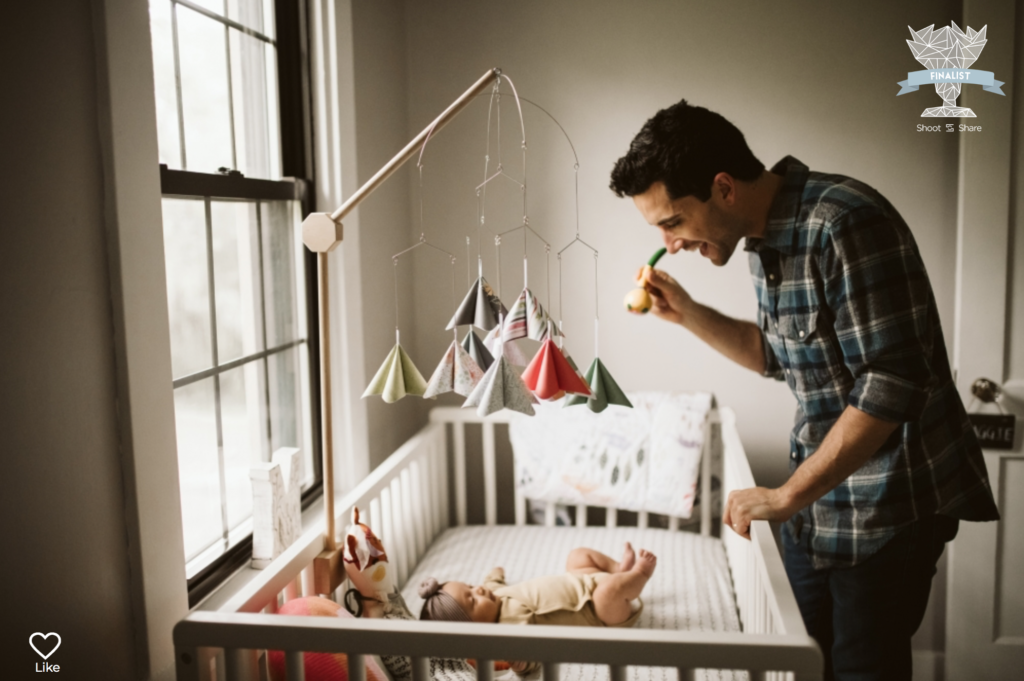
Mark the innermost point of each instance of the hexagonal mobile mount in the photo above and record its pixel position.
(320, 233)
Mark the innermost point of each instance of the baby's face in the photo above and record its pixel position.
(479, 602)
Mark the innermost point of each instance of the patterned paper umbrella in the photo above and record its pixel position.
(528, 319)
(481, 308)
(511, 351)
(457, 372)
(396, 378)
(550, 375)
(476, 349)
(603, 390)
(501, 388)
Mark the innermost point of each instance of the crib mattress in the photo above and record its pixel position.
(690, 590)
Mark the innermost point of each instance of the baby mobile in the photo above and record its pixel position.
(485, 372)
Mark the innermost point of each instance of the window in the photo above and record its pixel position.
(240, 284)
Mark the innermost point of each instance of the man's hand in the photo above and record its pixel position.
(671, 301)
(756, 503)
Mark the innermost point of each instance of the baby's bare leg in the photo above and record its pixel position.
(591, 560)
(615, 591)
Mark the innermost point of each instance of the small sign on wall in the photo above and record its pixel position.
(994, 431)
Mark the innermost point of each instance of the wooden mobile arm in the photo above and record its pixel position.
(321, 233)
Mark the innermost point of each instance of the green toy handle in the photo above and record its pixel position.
(657, 256)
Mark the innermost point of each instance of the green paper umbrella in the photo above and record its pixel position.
(603, 390)
(396, 378)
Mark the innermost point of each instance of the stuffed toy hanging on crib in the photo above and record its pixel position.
(366, 562)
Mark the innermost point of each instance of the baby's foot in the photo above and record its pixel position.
(646, 562)
(628, 559)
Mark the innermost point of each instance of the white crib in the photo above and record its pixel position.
(407, 499)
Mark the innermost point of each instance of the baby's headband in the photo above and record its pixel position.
(438, 605)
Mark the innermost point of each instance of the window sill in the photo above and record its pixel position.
(245, 574)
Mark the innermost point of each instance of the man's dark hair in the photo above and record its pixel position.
(684, 146)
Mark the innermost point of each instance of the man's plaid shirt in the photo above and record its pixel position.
(848, 318)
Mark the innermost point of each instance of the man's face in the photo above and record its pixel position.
(689, 224)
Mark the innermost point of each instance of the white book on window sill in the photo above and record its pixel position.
(276, 505)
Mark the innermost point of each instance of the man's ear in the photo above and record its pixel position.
(725, 186)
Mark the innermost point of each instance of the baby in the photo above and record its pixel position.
(595, 591)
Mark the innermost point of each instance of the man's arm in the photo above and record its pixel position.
(854, 439)
(738, 340)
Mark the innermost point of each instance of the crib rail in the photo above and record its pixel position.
(763, 595)
(617, 648)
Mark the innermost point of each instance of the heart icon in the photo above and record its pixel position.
(43, 655)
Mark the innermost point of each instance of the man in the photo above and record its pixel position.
(883, 460)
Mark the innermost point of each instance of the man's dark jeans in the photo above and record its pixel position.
(863, 616)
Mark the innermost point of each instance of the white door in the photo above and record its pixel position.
(985, 611)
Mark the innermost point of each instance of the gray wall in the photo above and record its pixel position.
(815, 80)
(62, 501)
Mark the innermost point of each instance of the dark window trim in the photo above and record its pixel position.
(189, 184)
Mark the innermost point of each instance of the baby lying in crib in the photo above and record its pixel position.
(594, 591)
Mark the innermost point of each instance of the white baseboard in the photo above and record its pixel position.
(929, 665)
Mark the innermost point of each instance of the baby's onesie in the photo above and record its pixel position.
(565, 599)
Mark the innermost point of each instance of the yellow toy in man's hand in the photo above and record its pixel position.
(639, 301)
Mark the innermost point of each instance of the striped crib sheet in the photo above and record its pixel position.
(691, 589)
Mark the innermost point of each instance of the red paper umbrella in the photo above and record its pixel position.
(550, 374)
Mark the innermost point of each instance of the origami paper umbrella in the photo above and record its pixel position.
(396, 378)
(480, 307)
(603, 390)
(512, 353)
(550, 374)
(501, 388)
(527, 319)
(456, 372)
(477, 350)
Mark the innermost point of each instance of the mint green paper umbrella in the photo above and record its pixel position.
(603, 390)
(397, 377)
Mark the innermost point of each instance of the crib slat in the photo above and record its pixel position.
(485, 670)
(459, 429)
(442, 476)
(295, 670)
(356, 668)
(673, 523)
(551, 671)
(705, 484)
(641, 520)
(428, 483)
(581, 515)
(550, 509)
(292, 590)
(421, 667)
(611, 517)
(389, 535)
(400, 527)
(490, 476)
(234, 664)
(307, 581)
(412, 482)
(618, 672)
(520, 507)
(373, 520)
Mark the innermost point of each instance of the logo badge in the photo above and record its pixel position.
(948, 53)
(45, 644)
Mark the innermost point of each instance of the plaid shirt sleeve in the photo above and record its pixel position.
(877, 288)
(772, 367)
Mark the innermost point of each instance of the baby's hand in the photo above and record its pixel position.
(499, 570)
